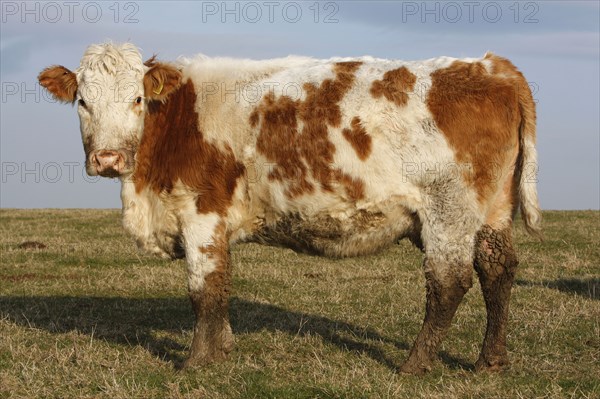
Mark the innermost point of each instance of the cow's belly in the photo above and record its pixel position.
(361, 233)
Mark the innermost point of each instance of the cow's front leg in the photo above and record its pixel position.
(209, 283)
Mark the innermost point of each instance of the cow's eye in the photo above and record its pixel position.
(138, 100)
(81, 102)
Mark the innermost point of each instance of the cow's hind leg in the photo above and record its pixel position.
(446, 285)
(209, 284)
(495, 263)
(448, 268)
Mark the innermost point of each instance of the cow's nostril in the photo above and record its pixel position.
(107, 157)
(108, 162)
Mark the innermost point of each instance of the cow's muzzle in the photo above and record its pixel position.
(107, 163)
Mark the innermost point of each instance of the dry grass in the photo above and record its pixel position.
(90, 317)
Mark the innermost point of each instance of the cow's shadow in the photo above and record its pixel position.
(588, 287)
(151, 323)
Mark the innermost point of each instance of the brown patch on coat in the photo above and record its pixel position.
(280, 142)
(479, 114)
(173, 148)
(217, 250)
(355, 188)
(395, 86)
(60, 82)
(503, 67)
(309, 153)
(254, 116)
(358, 138)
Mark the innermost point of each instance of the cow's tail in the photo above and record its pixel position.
(528, 165)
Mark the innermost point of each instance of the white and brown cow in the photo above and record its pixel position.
(337, 157)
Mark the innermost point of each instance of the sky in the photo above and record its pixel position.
(555, 44)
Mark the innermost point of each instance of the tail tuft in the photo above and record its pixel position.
(530, 208)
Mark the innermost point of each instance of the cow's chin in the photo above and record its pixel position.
(109, 172)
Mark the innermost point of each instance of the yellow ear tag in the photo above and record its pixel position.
(159, 89)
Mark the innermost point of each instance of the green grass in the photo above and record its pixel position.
(90, 317)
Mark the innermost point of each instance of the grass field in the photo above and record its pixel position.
(88, 316)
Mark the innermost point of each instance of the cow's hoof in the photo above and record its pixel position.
(492, 364)
(415, 367)
(211, 352)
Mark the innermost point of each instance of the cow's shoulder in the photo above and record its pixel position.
(175, 153)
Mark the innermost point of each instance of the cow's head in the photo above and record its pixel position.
(112, 88)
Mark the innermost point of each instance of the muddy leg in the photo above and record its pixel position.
(496, 264)
(446, 286)
(209, 283)
(213, 338)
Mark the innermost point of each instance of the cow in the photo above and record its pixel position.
(338, 157)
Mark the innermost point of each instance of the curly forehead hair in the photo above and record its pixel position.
(112, 58)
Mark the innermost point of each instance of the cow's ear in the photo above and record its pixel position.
(161, 80)
(60, 82)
